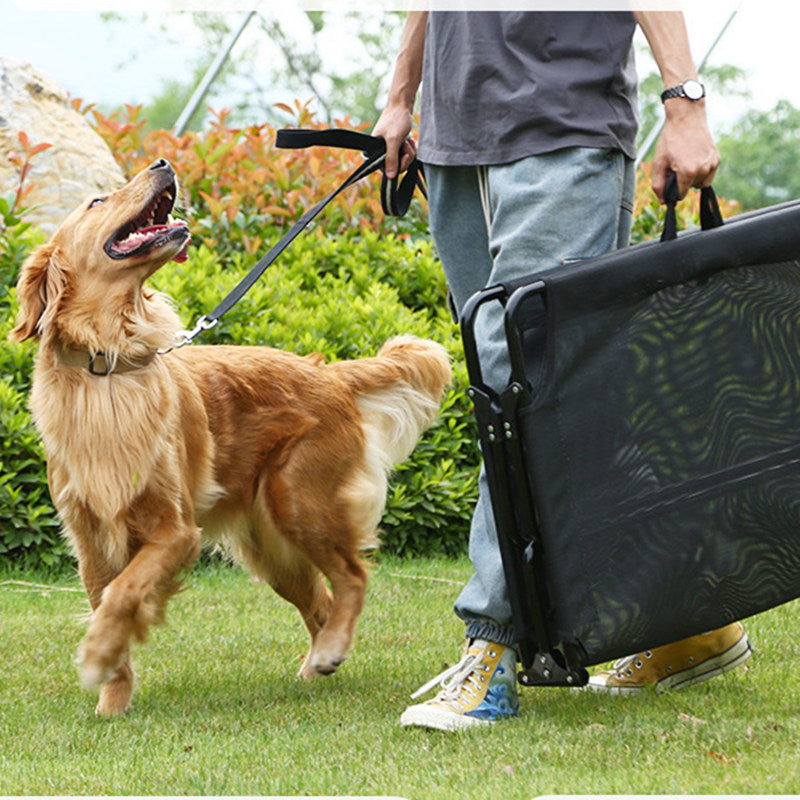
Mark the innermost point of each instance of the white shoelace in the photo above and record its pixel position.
(453, 679)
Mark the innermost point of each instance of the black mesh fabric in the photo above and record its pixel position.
(662, 434)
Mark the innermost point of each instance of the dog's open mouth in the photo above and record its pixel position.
(151, 230)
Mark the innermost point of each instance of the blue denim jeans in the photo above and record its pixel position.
(496, 223)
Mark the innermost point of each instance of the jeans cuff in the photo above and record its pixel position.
(490, 631)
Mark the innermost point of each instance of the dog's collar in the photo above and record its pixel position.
(98, 363)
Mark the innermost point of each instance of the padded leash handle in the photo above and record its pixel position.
(396, 194)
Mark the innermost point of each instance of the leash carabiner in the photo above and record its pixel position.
(187, 337)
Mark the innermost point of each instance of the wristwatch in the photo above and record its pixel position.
(691, 90)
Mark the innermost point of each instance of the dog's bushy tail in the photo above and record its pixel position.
(398, 392)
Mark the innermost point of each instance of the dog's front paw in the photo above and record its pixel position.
(114, 700)
(317, 663)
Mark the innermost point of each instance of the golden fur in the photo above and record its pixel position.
(282, 459)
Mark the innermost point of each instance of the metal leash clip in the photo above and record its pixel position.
(187, 337)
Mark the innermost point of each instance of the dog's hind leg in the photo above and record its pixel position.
(278, 562)
(348, 580)
(305, 588)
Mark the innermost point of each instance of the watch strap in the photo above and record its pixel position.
(680, 91)
(675, 91)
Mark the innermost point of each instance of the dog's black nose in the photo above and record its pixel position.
(162, 163)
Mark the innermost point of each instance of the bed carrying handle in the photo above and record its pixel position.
(710, 215)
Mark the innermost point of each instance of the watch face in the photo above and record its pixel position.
(693, 90)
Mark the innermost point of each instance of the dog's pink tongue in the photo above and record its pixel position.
(183, 255)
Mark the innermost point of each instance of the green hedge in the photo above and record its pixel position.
(29, 529)
(341, 296)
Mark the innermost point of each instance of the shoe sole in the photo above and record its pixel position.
(734, 656)
(425, 716)
(710, 668)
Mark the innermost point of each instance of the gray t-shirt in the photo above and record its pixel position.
(500, 86)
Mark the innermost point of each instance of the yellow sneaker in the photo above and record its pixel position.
(479, 690)
(676, 665)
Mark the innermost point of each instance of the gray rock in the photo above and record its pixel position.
(79, 163)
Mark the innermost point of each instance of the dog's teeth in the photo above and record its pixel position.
(131, 242)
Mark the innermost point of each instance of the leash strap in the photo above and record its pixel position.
(395, 199)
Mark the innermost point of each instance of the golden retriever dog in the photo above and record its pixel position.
(281, 458)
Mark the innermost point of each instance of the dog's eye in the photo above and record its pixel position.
(97, 201)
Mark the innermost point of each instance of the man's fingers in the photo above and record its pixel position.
(398, 159)
(698, 179)
(391, 164)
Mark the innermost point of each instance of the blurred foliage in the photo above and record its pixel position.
(760, 154)
(284, 52)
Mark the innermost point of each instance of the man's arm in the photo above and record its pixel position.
(397, 118)
(685, 146)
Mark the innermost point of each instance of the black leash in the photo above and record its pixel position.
(395, 200)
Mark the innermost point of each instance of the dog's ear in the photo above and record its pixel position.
(41, 283)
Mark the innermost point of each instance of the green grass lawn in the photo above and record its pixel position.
(219, 710)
